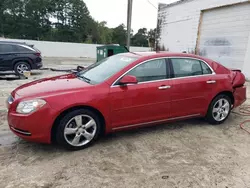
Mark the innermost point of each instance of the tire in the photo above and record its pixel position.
(219, 110)
(20, 67)
(72, 132)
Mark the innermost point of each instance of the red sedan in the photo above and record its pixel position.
(122, 92)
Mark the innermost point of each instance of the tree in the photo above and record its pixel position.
(37, 19)
(61, 20)
(152, 38)
(119, 35)
(73, 21)
(140, 38)
(106, 34)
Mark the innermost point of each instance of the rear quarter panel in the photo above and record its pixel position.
(222, 84)
(21, 57)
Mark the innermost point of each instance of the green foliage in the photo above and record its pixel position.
(62, 20)
(119, 35)
(140, 38)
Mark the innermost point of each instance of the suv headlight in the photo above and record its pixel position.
(26, 107)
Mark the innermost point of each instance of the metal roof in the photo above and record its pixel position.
(172, 4)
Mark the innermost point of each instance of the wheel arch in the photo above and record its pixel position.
(63, 113)
(227, 93)
(14, 62)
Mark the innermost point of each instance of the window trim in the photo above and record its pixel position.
(167, 72)
(200, 61)
(27, 47)
(170, 71)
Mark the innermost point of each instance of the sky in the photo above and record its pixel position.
(114, 12)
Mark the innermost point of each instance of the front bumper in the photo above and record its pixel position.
(35, 127)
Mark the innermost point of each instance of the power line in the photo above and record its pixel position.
(152, 4)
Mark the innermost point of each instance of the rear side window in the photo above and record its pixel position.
(7, 48)
(184, 67)
(205, 69)
(22, 49)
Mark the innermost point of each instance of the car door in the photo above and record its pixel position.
(144, 102)
(193, 86)
(6, 56)
(1, 57)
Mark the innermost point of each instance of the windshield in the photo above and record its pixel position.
(104, 69)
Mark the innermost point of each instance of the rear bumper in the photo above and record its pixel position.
(37, 63)
(240, 96)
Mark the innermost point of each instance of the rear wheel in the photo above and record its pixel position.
(219, 109)
(20, 67)
(78, 129)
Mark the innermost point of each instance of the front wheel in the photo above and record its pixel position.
(78, 129)
(219, 109)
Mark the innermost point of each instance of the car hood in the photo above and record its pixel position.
(53, 85)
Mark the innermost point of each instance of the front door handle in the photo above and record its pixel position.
(211, 82)
(164, 87)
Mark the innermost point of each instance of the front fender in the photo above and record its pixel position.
(97, 101)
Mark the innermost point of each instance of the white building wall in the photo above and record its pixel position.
(66, 49)
(246, 67)
(181, 21)
(180, 24)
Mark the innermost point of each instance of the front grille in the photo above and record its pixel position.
(19, 131)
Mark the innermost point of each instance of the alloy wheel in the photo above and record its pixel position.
(221, 109)
(80, 130)
(21, 68)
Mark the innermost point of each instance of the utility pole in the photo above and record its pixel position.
(129, 20)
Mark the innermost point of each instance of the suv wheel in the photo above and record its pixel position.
(20, 67)
(219, 109)
(78, 129)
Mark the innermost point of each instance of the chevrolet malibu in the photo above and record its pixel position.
(122, 92)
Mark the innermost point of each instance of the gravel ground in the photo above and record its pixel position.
(183, 154)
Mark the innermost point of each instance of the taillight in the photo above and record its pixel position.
(239, 79)
(38, 54)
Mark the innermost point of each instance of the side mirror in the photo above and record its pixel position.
(128, 79)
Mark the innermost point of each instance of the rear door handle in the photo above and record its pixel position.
(211, 82)
(164, 87)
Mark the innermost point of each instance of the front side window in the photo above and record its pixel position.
(104, 69)
(150, 71)
(189, 67)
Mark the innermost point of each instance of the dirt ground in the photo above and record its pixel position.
(183, 154)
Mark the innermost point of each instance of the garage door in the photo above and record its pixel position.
(224, 34)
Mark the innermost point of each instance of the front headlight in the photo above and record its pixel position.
(26, 107)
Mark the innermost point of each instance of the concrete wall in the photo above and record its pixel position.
(180, 24)
(63, 49)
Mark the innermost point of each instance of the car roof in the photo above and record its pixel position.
(17, 43)
(150, 55)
